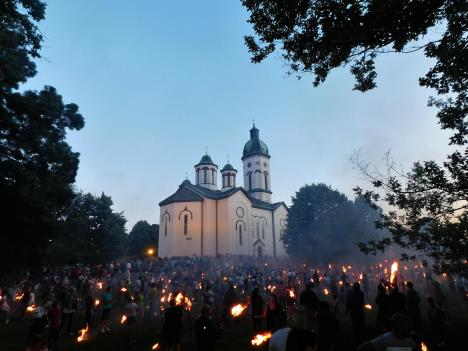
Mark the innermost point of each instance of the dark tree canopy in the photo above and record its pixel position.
(428, 204)
(318, 36)
(325, 226)
(37, 166)
(142, 237)
(90, 232)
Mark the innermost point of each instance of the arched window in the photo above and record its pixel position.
(185, 224)
(198, 176)
(165, 226)
(263, 231)
(212, 176)
(205, 176)
(228, 180)
(240, 235)
(258, 230)
(266, 181)
(250, 181)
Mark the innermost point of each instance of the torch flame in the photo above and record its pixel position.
(259, 339)
(99, 284)
(82, 332)
(360, 276)
(393, 273)
(369, 307)
(325, 291)
(155, 346)
(123, 320)
(123, 289)
(97, 302)
(424, 347)
(238, 310)
(292, 295)
(31, 308)
(19, 297)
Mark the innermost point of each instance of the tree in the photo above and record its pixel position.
(90, 232)
(428, 204)
(143, 236)
(324, 225)
(37, 166)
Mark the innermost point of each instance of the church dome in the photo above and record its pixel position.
(255, 146)
(228, 167)
(206, 160)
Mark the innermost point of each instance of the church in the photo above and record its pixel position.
(202, 220)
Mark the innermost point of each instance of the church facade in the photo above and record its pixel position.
(202, 220)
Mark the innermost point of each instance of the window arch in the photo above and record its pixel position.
(266, 180)
(258, 230)
(250, 180)
(263, 231)
(205, 176)
(165, 227)
(212, 176)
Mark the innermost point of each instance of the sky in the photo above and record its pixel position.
(159, 81)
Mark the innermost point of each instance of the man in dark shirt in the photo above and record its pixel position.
(172, 328)
(206, 333)
(355, 306)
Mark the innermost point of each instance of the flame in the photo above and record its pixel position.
(360, 276)
(123, 320)
(99, 285)
(82, 332)
(259, 339)
(182, 300)
(340, 282)
(97, 302)
(394, 271)
(343, 269)
(238, 310)
(150, 252)
(31, 308)
(329, 266)
(369, 307)
(292, 295)
(19, 297)
(155, 346)
(325, 291)
(123, 289)
(424, 347)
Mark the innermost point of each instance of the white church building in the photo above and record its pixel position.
(202, 220)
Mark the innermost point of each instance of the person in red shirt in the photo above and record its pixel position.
(54, 323)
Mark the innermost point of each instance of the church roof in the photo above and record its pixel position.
(255, 146)
(206, 160)
(228, 167)
(189, 192)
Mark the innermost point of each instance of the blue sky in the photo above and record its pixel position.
(158, 81)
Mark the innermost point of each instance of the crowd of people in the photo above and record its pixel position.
(294, 306)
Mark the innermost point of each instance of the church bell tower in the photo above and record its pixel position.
(256, 161)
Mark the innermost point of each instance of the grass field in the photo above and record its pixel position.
(236, 336)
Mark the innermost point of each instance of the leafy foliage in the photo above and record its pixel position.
(427, 210)
(37, 166)
(428, 204)
(90, 232)
(324, 225)
(143, 236)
